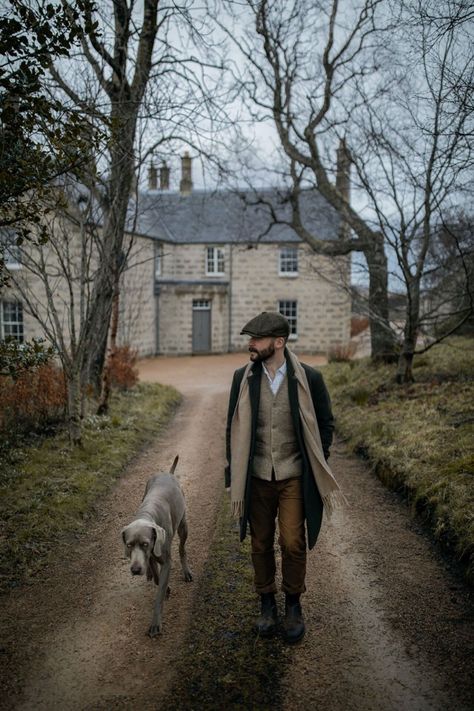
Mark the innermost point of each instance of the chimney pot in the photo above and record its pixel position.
(152, 177)
(186, 183)
(164, 177)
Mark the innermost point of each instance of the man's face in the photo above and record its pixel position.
(261, 348)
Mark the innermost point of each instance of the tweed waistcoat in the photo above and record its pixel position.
(276, 446)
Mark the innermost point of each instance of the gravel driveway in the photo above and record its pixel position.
(389, 625)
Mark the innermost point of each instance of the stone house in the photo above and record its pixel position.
(200, 264)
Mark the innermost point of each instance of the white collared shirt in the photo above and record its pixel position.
(278, 379)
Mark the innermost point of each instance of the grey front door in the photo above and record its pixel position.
(201, 326)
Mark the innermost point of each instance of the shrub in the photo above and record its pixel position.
(342, 352)
(123, 371)
(359, 395)
(33, 400)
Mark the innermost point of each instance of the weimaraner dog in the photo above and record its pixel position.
(148, 538)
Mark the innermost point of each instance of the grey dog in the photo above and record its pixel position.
(148, 538)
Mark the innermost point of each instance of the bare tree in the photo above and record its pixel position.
(144, 74)
(412, 151)
(387, 90)
(55, 287)
(447, 290)
(303, 65)
(117, 66)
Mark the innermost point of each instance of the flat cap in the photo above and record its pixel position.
(268, 323)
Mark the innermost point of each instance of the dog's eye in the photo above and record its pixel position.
(129, 545)
(145, 545)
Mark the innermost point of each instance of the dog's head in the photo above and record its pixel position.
(142, 539)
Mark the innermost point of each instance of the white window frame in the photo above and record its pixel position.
(289, 309)
(215, 258)
(158, 259)
(16, 324)
(11, 252)
(287, 258)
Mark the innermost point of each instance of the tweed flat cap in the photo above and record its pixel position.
(268, 323)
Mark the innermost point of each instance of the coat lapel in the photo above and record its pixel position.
(254, 380)
(293, 394)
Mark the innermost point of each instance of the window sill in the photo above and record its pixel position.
(292, 275)
(14, 266)
(215, 274)
(293, 337)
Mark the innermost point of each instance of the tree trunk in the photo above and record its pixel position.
(74, 408)
(105, 389)
(383, 345)
(122, 169)
(410, 333)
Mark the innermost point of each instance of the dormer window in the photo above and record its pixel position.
(214, 261)
(288, 265)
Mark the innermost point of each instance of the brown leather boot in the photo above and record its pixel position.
(293, 624)
(266, 623)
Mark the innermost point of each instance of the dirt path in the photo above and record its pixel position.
(388, 626)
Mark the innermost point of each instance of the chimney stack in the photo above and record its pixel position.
(134, 185)
(152, 177)
(186, 184)
(164, 177)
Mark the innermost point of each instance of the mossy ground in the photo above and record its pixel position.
(48, 488)
(222, 664)
(419, 437)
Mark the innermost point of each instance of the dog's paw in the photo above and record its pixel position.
(188, 576)
(154, 631)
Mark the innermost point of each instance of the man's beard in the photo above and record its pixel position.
(263, 355)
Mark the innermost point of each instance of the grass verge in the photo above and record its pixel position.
(419, 437)
(48, 489)
(222, 664)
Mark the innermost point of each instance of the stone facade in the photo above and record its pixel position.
(173, 303)
(251, 283)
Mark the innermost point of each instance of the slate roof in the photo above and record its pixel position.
(227, 217)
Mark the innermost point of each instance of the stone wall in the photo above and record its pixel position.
(254, 285)
(323, 307)
(175, 305)
(158, 317)
(137, 320)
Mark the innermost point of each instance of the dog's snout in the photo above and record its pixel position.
(136, 569)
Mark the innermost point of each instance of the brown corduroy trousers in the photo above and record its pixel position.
(284, 499)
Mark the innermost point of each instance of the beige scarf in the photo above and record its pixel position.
(240, 436)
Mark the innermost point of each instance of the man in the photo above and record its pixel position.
(279, 432)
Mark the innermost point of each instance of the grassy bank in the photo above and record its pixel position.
(48, 489)
(221, 664)
(419, 437)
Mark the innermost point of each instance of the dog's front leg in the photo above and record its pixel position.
(155, 627)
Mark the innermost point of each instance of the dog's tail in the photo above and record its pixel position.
(173, 466)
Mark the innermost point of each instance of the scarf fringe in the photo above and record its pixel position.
(237, 509)
(334, 500)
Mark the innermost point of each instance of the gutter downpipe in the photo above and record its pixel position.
(229, 343)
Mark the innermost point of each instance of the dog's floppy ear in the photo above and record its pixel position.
(122, 534)
(160, 539)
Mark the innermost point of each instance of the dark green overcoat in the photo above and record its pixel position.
(313, 506)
